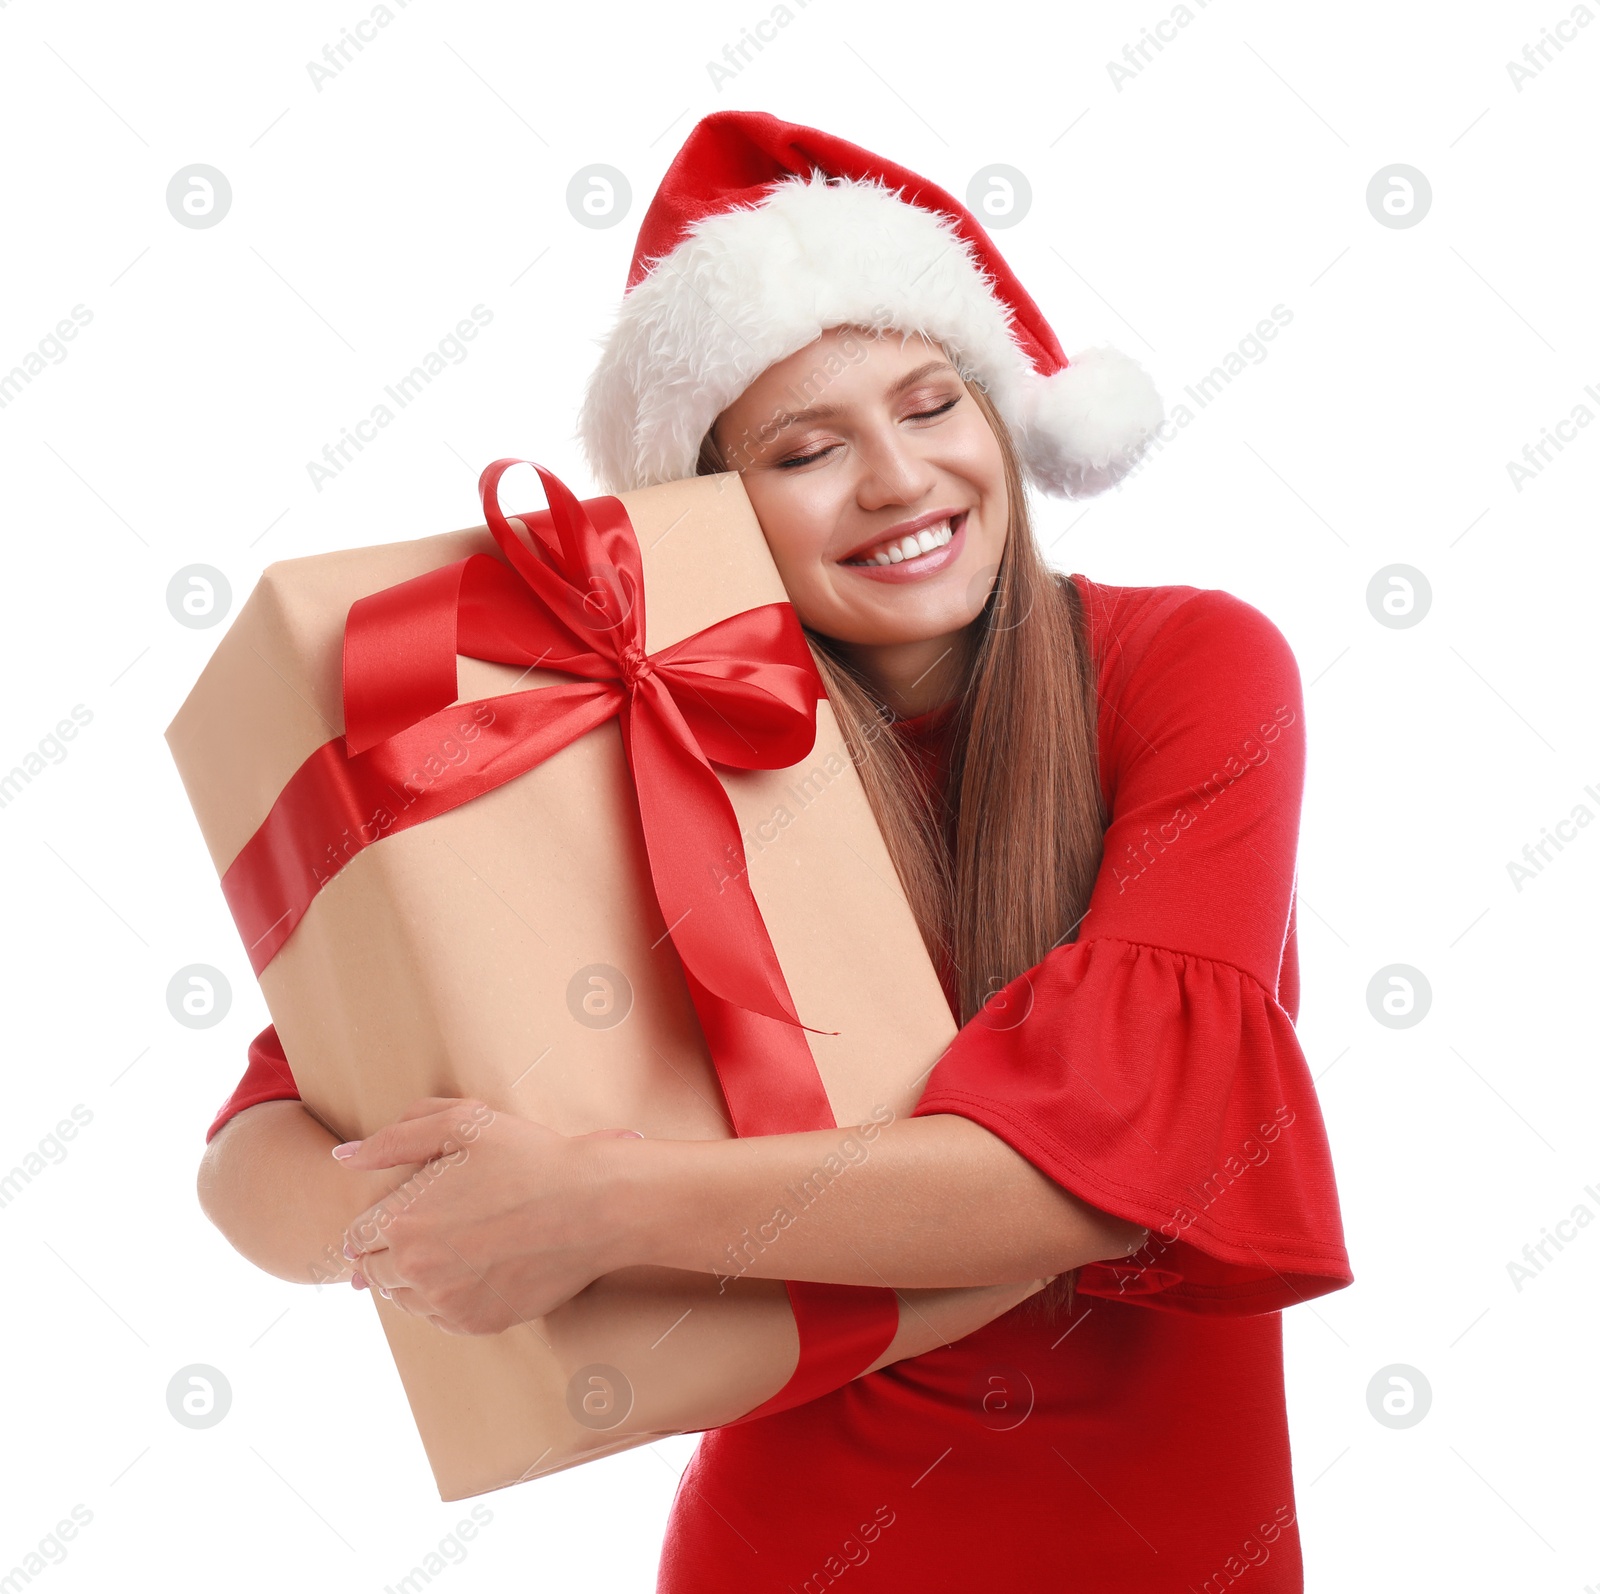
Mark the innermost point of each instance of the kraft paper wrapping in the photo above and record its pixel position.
(476, 955)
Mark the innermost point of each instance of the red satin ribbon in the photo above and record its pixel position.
(742, 692)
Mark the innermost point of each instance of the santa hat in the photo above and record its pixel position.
(764, 234)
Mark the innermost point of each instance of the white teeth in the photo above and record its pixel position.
(908, 547)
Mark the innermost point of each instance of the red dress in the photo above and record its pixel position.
(1152, 1068)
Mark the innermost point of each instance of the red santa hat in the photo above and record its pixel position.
(764, 234)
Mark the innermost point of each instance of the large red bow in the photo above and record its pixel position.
(742, 692)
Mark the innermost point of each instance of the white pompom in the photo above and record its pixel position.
(1085, 427)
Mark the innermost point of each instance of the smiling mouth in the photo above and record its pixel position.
(915, 545)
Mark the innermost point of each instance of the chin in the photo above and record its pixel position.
(922, 626)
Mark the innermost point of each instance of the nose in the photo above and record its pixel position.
(892, 471)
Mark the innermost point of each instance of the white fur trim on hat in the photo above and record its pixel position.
(750, 286)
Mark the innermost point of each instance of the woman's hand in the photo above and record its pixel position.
(503, 1221)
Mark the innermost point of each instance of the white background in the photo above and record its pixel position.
(1169, 215)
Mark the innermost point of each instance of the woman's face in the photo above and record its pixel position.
(851, 446)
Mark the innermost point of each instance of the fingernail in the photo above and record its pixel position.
(359, 1282)
(351, 1253)
(348, 1149)
(383, 1292)
(630, 1134)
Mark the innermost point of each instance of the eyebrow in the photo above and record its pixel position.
(825, 412)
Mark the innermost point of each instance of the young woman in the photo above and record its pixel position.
(1091, 794)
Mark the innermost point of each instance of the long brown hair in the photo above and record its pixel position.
(1024, 789)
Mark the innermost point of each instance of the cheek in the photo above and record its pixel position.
(973, 453)
(797, 518)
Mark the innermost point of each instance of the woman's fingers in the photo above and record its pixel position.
(409, 1301)
(377, 1274)
(435, 1132)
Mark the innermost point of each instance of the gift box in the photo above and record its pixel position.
(553, 812)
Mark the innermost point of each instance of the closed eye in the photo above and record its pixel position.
(920, 415)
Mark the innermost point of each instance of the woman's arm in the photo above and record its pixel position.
(267, 1182)
(922, 1203)
(518, 1219)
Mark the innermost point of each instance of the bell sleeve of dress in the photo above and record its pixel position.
(266, 1078)
(1151, 1066)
